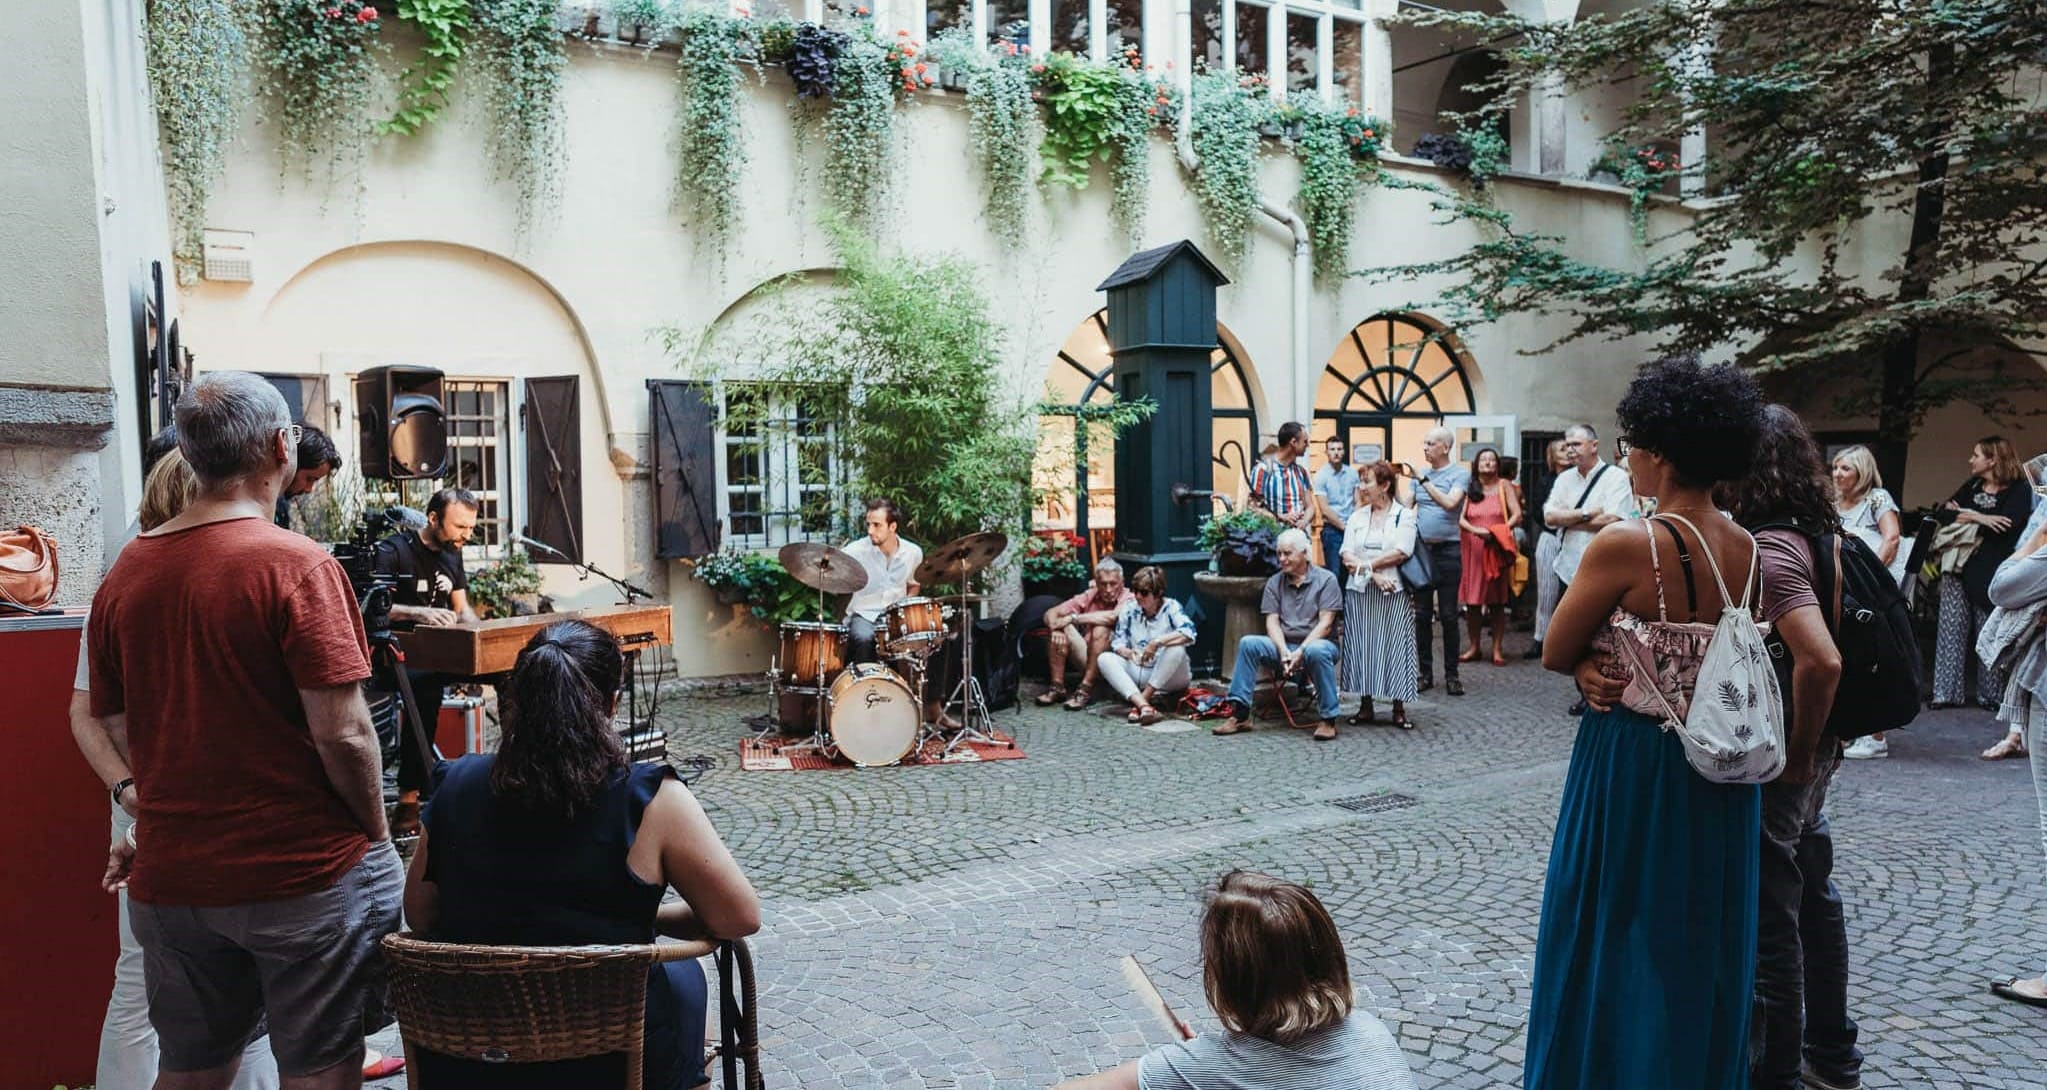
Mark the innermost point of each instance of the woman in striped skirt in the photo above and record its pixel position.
(1378, 624)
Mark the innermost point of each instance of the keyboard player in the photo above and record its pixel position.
(431, 589)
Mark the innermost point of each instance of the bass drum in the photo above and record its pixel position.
(873, 715)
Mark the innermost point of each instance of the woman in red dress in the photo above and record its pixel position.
(1490, 514)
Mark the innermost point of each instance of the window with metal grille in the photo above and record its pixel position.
(782, 476)
(480, 459)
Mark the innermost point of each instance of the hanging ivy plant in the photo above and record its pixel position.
(859, 131)
(1002, 123)
(321, 61)
(1082, 104)
(710, 153)
(423, 89)
(198, 69)
(1328, 195)
(519, 53)
(1139, 104)
(1225, 137)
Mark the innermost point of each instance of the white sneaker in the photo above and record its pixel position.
(1866, 747)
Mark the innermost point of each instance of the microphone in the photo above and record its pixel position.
(541, 545)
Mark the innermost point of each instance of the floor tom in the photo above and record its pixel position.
(811, 652)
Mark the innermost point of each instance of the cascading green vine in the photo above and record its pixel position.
(1082, 101)
(520, 55)
(198, 79)
(320, 68)
(1002, 123)
(710, 151)
(859, 131)
(1139, 105)
(1225, 140)
(423, 90)
(1333, 159)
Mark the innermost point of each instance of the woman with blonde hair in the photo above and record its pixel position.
(1869, 512)
(165, 492)
(1273, 969)
(1995, 500)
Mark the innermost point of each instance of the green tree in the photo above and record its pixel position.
(1834, 124)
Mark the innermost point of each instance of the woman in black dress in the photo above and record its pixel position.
(558, 840)
(1996, 501)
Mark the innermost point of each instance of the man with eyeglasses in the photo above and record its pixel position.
(1586, 498)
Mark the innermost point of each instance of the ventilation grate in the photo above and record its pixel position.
(1372, 804)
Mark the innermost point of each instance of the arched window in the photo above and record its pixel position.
(1076, 474)
(1393, 377)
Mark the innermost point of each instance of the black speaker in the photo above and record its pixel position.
(401, 424)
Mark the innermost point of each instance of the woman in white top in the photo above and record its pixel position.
(1867, 511)
(1378, 625)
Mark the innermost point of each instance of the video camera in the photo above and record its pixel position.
(358, 557)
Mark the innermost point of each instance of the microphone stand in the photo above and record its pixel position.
(636, 739)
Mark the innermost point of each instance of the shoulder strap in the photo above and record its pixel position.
(1656, 566)
(1684, 559)
(1835, 540)
(1748, 584)
(1592, 484)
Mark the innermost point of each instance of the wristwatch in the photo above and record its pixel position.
(120, 787)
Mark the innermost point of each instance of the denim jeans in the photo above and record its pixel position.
(1801, 1004)
(1447, 557)
(1332, 550)
(1256, 656)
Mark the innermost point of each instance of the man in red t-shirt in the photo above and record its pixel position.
(261, 876)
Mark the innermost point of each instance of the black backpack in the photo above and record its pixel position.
(1872, 626)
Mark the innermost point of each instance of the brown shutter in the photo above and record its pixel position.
(685, 474)
(552, 421)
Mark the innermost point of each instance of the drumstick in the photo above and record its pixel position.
(1140, 982)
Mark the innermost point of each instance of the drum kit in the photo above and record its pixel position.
(871, 713)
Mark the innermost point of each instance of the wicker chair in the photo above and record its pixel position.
(533, 1004)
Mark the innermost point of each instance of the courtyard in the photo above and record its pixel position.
(960, 927)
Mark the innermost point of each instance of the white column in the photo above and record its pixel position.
(1325, 56)
(1039, 12)
(1097, 30)
(1229, 35)
(977, 23)
(1550, 132)
(1378, 58)
(1691, 153)
(1275, 50)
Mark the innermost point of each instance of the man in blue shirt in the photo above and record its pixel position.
(1439, 490)
(1336, 494)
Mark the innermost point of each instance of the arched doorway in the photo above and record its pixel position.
(1075, 467)
(1391, 379)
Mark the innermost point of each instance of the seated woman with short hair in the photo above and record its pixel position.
(558, 840)
(1274, 971)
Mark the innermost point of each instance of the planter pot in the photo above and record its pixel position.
(1606, 177)
(1295, 130)
(1063, 587)
(952, 80)
(730, 595)
(1240, 596)
(1272, 129)
(1230, 564)
(525, 605)
(633, 33)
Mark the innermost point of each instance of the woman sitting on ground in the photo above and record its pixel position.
(1273, 968)
(558, 840)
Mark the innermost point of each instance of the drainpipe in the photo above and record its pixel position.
(1183, 144)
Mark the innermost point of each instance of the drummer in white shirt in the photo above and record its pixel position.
(891, 563)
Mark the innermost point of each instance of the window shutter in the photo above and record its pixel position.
(685, 475)
(552, 421)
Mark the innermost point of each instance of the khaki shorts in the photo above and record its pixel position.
(312, 963)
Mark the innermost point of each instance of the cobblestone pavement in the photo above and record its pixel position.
(960, 927)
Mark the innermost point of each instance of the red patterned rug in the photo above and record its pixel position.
(767, 755)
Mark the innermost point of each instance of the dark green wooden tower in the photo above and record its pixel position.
(1162, 337)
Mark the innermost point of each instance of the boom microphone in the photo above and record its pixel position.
(540, 545)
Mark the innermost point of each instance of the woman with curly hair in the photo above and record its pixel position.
(1645, 956)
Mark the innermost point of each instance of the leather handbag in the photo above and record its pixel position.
(1418, 571)
(28, 568)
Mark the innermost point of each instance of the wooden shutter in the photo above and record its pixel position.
(552, 421)
(685, 472)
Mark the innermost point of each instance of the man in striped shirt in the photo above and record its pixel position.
(1281, 487)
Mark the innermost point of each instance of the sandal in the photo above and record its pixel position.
(1366, 714)
(2005, 989)
(1232, 725)
(1499, 659)
(1051, 696)
(1321, 736)
(2011, 746)
(1400, 718)
(1148, 715)
(1080, 699)
(1135, 715)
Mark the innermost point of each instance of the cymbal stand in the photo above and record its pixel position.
(976, 725)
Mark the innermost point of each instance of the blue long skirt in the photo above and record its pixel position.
(1645, 961)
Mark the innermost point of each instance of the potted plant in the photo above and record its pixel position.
(1052, 564)
(509, 588)
(777, 40)
(639, 21)
(759, 581)
(1244, 543)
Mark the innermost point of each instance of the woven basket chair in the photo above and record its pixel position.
(533, 1004)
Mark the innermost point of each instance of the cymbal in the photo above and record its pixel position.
(822, 567)
(958, 560)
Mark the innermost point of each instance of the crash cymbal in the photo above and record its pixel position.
(822, 567)
(957, 560)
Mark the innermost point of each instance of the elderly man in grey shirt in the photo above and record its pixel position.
(1301, 607)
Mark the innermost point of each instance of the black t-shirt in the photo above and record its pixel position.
(426, 576)
(2015, 502)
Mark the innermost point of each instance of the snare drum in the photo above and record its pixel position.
(913, 626)
(873, 715)
(811, 652)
